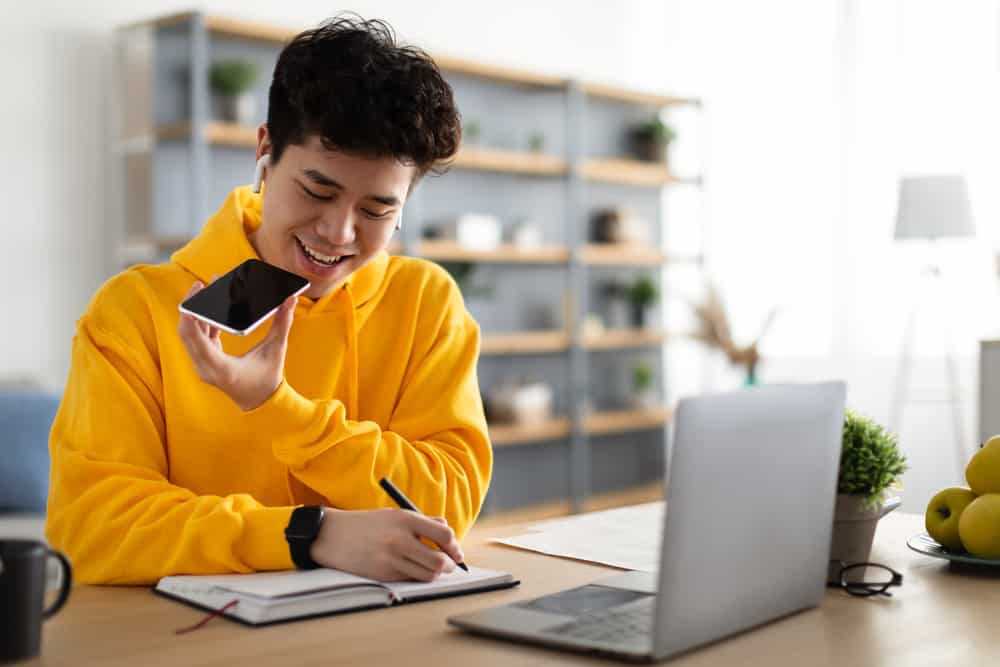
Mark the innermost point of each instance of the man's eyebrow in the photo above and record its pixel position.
(321, 179)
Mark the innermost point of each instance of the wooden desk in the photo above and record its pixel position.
(938, 617)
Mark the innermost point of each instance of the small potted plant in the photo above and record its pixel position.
(642, 294)
(870, 467)
(643, 394)
(471, 132)
(231, 81)
(536, 141)
(651, 140)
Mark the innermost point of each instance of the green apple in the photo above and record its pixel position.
(983, 471)
(979, 526)
(943, 514)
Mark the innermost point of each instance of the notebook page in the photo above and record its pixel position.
(269, 584)
(456, 581)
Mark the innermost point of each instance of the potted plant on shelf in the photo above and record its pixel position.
(231, 81)
(643, 394)
(870, 468)
(651, 140)
(642, 294)
(471, 132)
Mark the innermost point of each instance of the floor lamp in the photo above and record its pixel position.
(931, 208)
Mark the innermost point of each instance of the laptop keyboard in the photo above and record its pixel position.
(624, 624)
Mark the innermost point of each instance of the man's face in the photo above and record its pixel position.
(325, 213)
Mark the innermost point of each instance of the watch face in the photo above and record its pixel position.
(305, 523)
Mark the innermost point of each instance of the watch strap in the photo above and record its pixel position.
(302, 531)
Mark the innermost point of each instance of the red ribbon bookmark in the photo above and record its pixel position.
(218, 612)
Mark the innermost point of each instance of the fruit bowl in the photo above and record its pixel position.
(925, 544)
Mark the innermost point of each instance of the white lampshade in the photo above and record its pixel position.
(932, 207)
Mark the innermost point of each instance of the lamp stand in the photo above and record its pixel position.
(932, 276)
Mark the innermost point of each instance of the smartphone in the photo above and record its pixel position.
(246, 296)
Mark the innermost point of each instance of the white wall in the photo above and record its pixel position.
(55, 58)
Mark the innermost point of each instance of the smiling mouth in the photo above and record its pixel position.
(320, 258)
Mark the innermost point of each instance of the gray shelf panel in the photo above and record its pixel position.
(511, 197)
(523, 298)
(527, 475)
(610, 381)
(508, 115)
(553, 369)
(627, 459)
(171, 74)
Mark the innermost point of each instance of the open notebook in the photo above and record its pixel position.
(273, 597)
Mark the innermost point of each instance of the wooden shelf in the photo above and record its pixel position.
(477, 158)
(505, 435)
(230, 134)
(641, 98)
(614, 339)
(507, 161)
(280, 35)
(172, 132)
(626, 172)
(621, 421)
(450, 251)
(527, 342)
(261, 32)
(620, 254)
(498, 73)
(219, 25)
(633, 495)
(552, 509)
(217, 134)
(141, 250)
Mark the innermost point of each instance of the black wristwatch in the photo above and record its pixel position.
(301, 532)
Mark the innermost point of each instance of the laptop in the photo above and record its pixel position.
(746, 534)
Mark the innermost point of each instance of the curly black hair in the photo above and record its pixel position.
(350, 82)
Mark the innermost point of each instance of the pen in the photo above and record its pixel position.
(404, 503)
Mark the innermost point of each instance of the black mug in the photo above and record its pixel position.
(22, 596)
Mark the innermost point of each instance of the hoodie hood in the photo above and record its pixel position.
(224, 243)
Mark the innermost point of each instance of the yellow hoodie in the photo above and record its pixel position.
(155, 472)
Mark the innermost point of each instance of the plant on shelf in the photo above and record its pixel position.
(652, 138)
(231, 81)
(643, 394)
(642, 294)
(471, 132)
(536, 141)
(871, 464)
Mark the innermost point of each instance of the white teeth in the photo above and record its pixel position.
(320, 257)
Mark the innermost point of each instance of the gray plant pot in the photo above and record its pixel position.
(854, 529)
(240, 109)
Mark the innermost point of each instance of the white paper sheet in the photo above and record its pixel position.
(627, 537)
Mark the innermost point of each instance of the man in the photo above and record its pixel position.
(178, 449)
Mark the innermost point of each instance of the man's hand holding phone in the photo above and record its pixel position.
(249, 379)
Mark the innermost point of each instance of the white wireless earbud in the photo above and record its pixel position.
(258, 174)
(399, 220)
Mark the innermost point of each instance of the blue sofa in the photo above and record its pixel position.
(25, 421)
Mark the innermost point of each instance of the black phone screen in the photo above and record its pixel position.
(245, 295)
